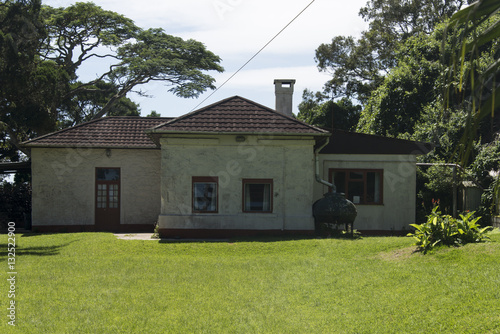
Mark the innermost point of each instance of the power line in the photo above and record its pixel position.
(255, 55)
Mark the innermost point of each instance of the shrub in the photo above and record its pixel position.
(15, 202)
(445, 230)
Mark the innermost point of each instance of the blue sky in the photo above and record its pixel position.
(235, 30)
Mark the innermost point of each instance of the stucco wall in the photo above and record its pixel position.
(289, 162)
(64, 185)
(399, 189)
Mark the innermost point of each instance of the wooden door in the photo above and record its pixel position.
(107, 199)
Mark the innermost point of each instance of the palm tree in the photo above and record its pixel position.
(476, 26)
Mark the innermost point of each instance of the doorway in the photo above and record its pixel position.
(107, 199)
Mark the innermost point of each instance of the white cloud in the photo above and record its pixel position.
(256, 85)
(235, 30)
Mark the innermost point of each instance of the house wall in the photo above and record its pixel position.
(64, 186)
(288, 161)
(399, 189)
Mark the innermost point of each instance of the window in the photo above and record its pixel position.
(107, 196)
(108, 174)
(257, 195)
(107, 188)
(361, 186)
(205, 194)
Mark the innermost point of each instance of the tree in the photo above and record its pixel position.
(154, 113)
(68, 38)
(484, 83)
(25, 86)
(358, 66)
(477, 32)
(396, 106)
(354, 70)
(316, 110)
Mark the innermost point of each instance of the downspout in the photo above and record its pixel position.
(316, 160)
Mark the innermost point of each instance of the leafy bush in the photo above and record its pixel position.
(15, 202)
(445, 230)
(156, 231)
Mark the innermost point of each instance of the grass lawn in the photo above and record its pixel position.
(94, 283)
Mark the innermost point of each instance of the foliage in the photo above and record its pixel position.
(426, 98)
(156, 231)
(25, 87)
(446, 230)
(153, 113)
(316, 110)
(496, 195)
(88, 283)
(477, 32)
(442, 128)
(355, 73)
(15, 202)
(41, 90)
(396, 105)
(434, 183)
(485, 168)
(358, 66)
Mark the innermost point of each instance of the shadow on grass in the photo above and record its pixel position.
(257, 239)
(35, 251)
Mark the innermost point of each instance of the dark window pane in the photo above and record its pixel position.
(373, 187)
(108, 174)
(356, 175)
(359, 186)
(339, 181)
(355, 192)
(257, 197)
(101, 196)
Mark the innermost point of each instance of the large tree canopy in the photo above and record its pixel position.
(424, 70)
(42, 49)
(25, 85)
(328, 115)
(357, 66)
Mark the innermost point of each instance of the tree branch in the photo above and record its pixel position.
(14, 140)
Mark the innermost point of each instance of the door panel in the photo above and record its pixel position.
(107, 199)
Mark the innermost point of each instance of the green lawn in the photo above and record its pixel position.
(94, 283)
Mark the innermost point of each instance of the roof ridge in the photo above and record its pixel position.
(286, 116)
(194, 112)
(221, 102)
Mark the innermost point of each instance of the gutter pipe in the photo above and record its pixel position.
(316, 160)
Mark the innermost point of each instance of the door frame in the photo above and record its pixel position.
(111, 220)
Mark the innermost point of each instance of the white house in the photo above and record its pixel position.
(232, 168)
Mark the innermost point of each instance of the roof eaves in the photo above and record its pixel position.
(97, 146)
(159, 132)
(28, 143)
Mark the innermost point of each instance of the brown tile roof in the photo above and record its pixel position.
(113, 132)
(232, 115)
(238, 115)
(344, 142)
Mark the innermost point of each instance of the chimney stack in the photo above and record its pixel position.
(283, 89)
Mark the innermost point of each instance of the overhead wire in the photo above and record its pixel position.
(255, 55)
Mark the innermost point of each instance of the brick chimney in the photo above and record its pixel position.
(283, 88)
